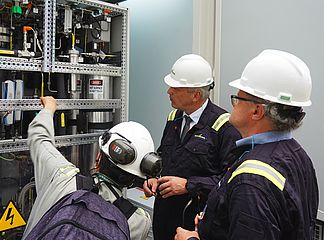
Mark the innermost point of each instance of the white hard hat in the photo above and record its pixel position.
(130, 147)
(277, 76)
(190, 70)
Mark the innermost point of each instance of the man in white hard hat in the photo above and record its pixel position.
(194, 147)
(271, 192)
(126, 153)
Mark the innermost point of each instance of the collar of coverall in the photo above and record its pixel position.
(265, 137)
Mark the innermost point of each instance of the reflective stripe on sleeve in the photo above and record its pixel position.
(261, 169)
(220, 121)
(172, 115)
(69, 170)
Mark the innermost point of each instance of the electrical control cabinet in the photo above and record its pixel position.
(74, 50)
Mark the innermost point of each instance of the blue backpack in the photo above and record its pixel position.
(81, 215)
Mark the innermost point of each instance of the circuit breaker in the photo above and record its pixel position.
(74, 50)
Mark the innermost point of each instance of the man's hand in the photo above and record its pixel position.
(183, 234)
(171, 185)
(150, 187)
(198, 218)
(49, 103)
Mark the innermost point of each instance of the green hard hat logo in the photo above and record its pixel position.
(285, 98)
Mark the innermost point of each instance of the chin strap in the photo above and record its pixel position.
(104, 178)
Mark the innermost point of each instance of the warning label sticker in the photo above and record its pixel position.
(95, 86)
(11, 218)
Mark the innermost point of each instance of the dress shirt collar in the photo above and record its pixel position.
(195, 116)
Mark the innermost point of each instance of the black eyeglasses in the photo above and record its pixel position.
(235, 100)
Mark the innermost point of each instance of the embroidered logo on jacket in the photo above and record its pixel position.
(200, 136)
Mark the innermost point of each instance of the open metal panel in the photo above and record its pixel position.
(74, 50)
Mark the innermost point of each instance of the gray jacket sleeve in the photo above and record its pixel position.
(54, 174)
(139, 224)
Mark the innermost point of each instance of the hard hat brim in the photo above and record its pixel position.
(237, 84)
(176, 84)
(172, 83)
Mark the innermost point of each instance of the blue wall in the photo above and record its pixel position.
(160, 32)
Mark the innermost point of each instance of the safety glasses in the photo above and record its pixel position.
(235, 100)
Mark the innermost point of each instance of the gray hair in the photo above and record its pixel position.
(284, 117)
(205, 91)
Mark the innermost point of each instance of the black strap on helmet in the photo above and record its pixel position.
(211, 86)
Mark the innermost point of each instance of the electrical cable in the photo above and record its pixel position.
(60, 44)
(85, 40)
(184, 212)
(73, 39)
(8, 159)
(22, 195)
(42, 85)
(49, 84)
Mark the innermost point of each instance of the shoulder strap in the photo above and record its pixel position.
(172, 115)
(262, 169)
(125, 206)
(220, 121)
(85, 183)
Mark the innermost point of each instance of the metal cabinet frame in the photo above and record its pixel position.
(49, 65)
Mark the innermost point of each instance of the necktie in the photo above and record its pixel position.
(186, 127)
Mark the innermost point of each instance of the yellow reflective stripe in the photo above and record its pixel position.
(141, 211)
(172, 115)
(262, 169)
(220, 121)
(69, 170)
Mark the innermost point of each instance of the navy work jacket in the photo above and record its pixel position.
(271, 193)
(202, 158)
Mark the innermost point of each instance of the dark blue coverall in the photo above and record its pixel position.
(270, 193)
(200, 158)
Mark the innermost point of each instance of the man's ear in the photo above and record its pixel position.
(259, 112)
(197, 96)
